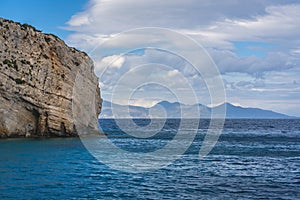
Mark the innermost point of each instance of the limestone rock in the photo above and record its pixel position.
(38, 74)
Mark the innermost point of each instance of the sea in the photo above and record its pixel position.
(252, 159)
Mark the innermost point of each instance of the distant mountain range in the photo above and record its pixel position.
(165, 109)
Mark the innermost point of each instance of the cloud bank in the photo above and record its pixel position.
(255, 44)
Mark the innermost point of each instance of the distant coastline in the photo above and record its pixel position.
(179, 110)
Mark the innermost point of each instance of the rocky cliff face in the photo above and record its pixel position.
(38, 74)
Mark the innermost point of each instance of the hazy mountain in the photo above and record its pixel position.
(111, 110)
(252, 113)
(165, 109)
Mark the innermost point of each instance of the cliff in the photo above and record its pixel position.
(38, 78)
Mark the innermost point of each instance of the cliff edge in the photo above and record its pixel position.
(38, 74)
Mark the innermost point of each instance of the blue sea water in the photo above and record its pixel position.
(253, 159)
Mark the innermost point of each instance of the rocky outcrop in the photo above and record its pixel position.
(38, 74)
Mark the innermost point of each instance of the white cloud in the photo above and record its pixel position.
(114, 61)
(79, 20)
(119, 15)
(278, 24)
(256, 21)
(153, 74)
(250, 80)
(173, 73)
(144, 102)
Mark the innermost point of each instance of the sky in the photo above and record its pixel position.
(254, 44)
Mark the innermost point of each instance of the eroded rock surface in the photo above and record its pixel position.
(38, 73)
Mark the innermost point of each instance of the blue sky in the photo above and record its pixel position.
(248, 48)
(255, 44)
(48, 16)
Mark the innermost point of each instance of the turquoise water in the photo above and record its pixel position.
(253, 159)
